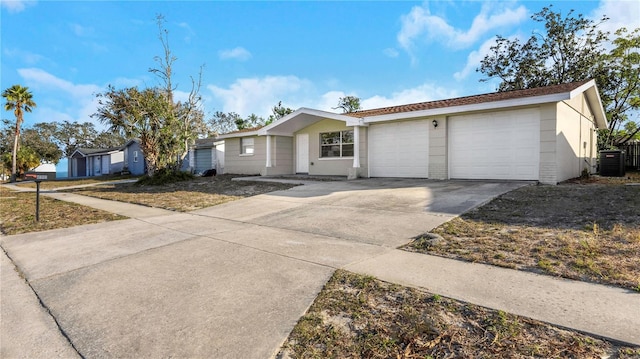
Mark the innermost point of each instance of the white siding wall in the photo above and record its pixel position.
(117, 162)
(220, 156)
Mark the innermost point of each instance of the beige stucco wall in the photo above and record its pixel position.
(331, 166)
(438, 147)
(236, 163)
(576, 140)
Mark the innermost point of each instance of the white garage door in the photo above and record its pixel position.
(399, 149)
(497, 145)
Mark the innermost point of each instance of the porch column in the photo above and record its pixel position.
(356, 146)
(269, 164)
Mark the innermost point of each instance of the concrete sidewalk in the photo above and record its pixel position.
(124, 209)
(199, 284)
(28, 330)
(603, 311)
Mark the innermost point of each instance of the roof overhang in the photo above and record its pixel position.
(589, 89)
(592, 94)
(97, 153)
(305, 117)
(129, 143)
(302, 118)
(237, 134)
(484, 106)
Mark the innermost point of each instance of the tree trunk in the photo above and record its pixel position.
(14, 161)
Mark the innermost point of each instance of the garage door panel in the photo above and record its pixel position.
(500, 145)
(399, 149)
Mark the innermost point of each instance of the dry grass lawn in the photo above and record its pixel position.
(183, 196)
(18, 212)
(360, 317)
(586, 230)
(60, 183)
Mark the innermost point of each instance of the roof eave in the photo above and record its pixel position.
(594, 101)
(527, 101)
(238, 134)
(272, 129)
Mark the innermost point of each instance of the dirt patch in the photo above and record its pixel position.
(17, 213)
(583, 229)
(360, 317)
(183, 196)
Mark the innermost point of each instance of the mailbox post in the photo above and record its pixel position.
(38, 177)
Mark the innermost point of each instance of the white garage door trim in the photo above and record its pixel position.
(496, 145)
(399, 149)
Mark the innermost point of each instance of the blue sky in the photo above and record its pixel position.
(305, 54)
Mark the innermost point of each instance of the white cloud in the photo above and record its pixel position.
(422, 93)
(258, 95)
(238, 53)
(59, 99)
(188, 30)
(421, 24)
(16, 6)
(620, 13)
(27, 57)
(40, 78)
(474, 59)
(330, 100)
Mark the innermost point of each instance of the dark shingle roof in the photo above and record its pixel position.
(470, 100)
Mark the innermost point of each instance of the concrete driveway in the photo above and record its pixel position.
(228, 281)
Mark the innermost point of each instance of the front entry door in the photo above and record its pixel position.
(302, 153)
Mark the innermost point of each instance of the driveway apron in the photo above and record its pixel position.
(228, 281)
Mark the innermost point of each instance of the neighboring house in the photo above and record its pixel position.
(205, 154)
(544, 134)
(133, 159)
(88, 162)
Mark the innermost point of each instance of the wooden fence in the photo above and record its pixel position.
(632, 155)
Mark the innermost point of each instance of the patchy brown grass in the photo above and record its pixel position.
(183, 196)
(360, 317)
(18, 212)
(586, 230)
(60, 183)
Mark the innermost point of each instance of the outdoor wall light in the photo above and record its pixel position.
(435, 123)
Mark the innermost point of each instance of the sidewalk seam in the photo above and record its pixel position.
(42, 304)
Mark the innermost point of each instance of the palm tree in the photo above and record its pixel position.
(20, 100)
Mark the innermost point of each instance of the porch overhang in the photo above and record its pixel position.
(302, 118)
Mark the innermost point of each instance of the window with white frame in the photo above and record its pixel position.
(135, 156)
(336, 144)
(246, 145)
